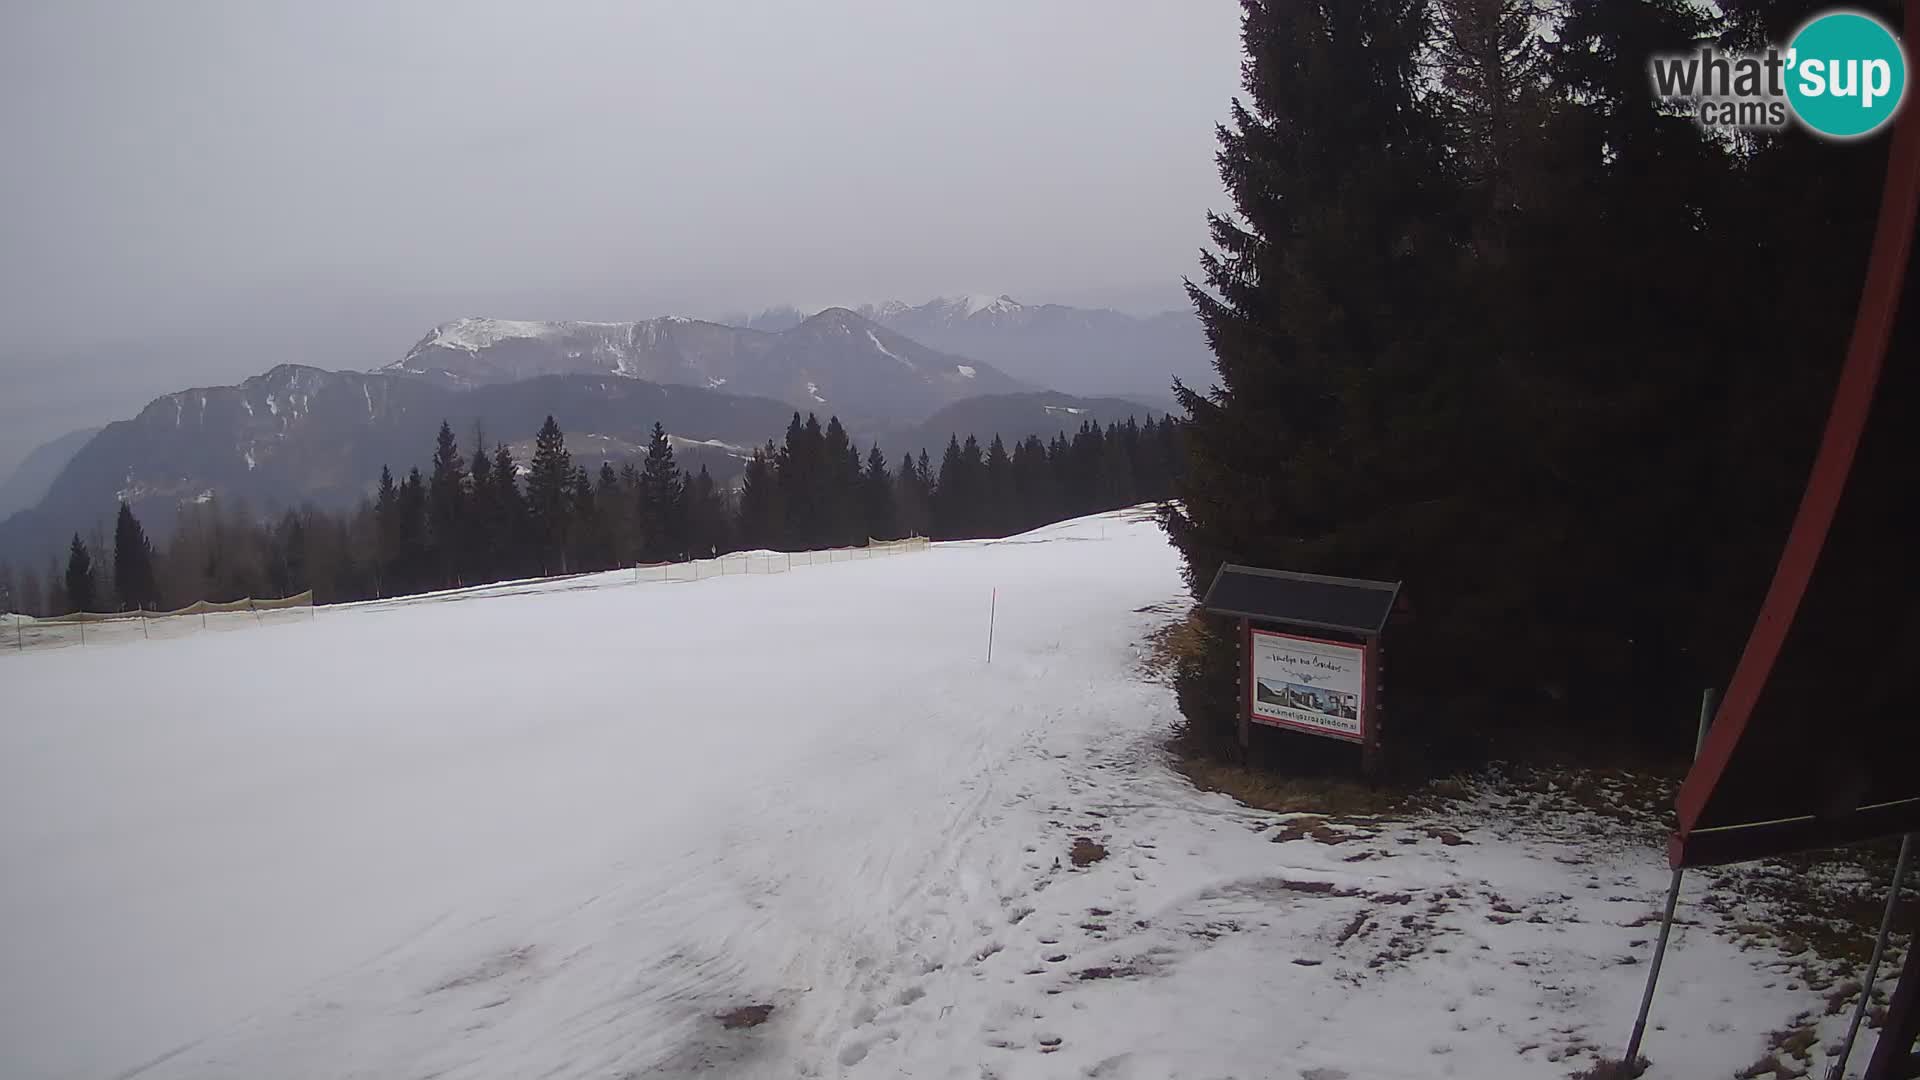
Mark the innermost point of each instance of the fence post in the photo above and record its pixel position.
(19, 639)
(143, 626)
(83, 631)
(993, 611)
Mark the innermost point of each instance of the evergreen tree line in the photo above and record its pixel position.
(1491, 319)
(484, 518)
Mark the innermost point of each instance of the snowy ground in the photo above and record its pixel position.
(563, 832)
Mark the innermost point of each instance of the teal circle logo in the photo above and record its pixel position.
(1846, 74)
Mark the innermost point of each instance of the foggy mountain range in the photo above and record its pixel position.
(302, 433)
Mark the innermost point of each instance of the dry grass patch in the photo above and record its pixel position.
(746, 1016)
(1289, 794)
(1613, 1070)
(1086, 852)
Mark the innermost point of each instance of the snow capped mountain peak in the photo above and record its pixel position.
(473, 333)
(975, 303)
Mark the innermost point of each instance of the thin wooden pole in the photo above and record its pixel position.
(993, 611)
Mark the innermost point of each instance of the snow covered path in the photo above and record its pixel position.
(562, 833)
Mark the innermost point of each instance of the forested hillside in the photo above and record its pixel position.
(467, 519)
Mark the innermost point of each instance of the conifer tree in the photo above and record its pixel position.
(805, 485)
(1323, 299)
(876, 489)
(999, 514)
(478, 543)
(414, 556)
(584, 527)
(706, 517)
(662, 502)
(839, 487)
(549, 478)
(79, 576)
(133, 577)
(446, 506)
(952, 509)
(912, 511)
(762, 516)
(508, 528)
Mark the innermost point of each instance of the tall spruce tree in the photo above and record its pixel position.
(447, 506)
(805, 485)
(414, 561)
(79, 577)
(706, 517)
(876, 497)
(510, 528)
(1323, 304)
(999, 501)
(662, 502)
(762, 515)
(952, 501)
(133, 576)
(549, 478)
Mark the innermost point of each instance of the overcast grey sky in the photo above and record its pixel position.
(184, 182)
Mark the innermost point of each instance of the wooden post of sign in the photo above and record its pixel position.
(1243, 661)
(1370, 738)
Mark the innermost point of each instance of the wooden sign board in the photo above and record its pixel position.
(1310, 651)
(1308, 684)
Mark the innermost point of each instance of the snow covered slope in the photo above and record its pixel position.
(563, 832)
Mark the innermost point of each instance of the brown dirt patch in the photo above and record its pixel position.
(746, 1016)
(1086, 852)
(1612, 1070)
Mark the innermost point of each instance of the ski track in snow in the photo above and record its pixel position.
(558, 831)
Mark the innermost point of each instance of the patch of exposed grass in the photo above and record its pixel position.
(1086, 852)
(1166, 645)
(1264, 790)
(1612, 1070)
(746, 1016)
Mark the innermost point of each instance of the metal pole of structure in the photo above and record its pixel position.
(1707, 698)
(993, 612)
(143, 626)
(1653, 973)
(19, 638)
(1873, 964)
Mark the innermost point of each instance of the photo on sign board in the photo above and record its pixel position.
(1320, 700)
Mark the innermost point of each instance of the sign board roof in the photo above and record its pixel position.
(1348, 605)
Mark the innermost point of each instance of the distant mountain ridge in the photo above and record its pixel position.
(297, 434)
(836, 360)
(34, 476)
(1090, 351)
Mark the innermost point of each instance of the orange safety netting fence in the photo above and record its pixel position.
(94, 627)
